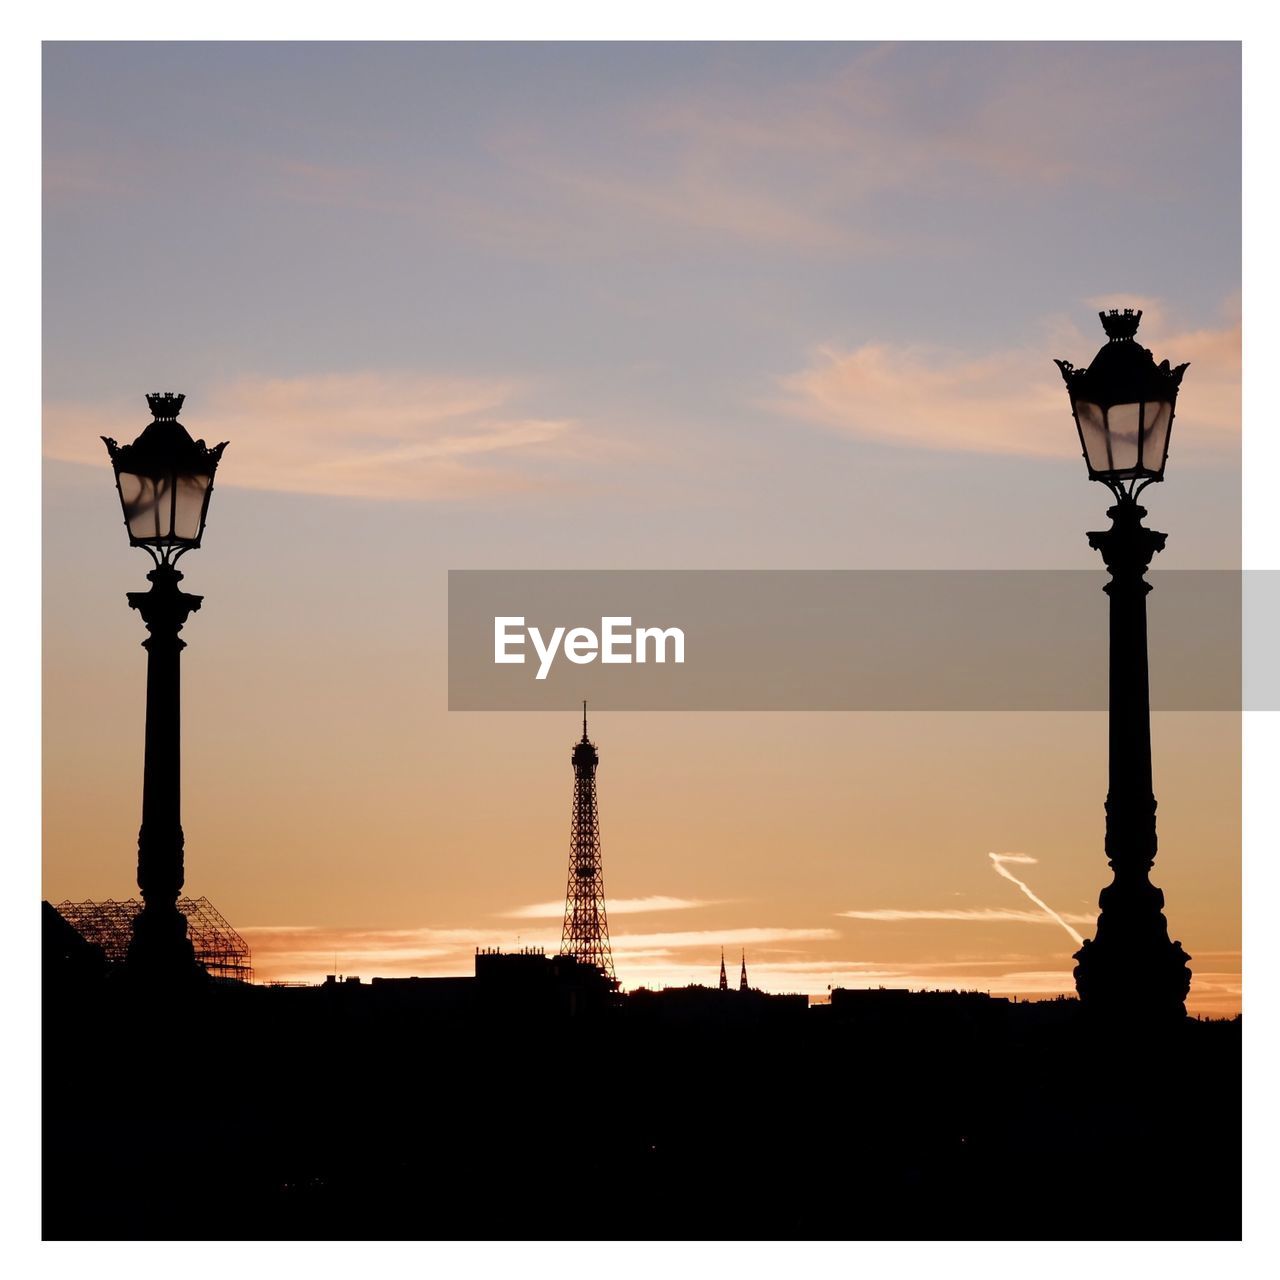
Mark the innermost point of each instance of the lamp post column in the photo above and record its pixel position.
(160, 945)
(1130, 968)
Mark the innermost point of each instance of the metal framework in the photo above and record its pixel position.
(586, 925)
(109, 925)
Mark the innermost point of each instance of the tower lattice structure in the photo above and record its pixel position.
(586, 924)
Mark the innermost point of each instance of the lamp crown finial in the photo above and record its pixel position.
(165, 405)
(1120, 325)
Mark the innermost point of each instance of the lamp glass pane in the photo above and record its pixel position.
(190, 507)
(1093, 432)
(1122, 427)
(1155, 434)
(146, 505)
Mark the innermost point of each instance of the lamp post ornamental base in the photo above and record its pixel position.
(1130, 972)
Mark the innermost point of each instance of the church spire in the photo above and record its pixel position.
(724, 977)
(742, 981)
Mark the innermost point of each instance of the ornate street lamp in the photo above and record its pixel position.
(1123, 404)
(164, 479)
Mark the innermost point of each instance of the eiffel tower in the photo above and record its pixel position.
(586, 926)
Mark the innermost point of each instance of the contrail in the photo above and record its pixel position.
(999, 859)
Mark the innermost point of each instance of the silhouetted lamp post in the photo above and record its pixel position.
(164, 479)
(1123, 404)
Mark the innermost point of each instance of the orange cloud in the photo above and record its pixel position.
(1010, 402)
(303, 953)
(979, 915)
(617, 907)
(365, 435)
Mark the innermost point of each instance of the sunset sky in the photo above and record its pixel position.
(648, 306)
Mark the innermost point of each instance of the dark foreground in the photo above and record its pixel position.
(232, 1112)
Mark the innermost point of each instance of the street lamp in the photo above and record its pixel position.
(1123, 405)
(164, 479)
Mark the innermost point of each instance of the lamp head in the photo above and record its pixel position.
(165, 479)
(1123, 405)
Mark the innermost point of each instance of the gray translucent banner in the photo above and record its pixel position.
(844, 640)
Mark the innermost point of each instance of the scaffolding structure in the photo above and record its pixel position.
(109, 925)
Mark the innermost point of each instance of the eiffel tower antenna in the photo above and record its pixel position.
(586, 925)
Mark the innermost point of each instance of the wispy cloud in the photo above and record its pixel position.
(971, 915)
(86, 173)
(804, 163)
(1008, 401)
(694, 199)
(617, 907)
(891, 116)
(881, 968)
(366, 434)
(727, 937)
(305, 953)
